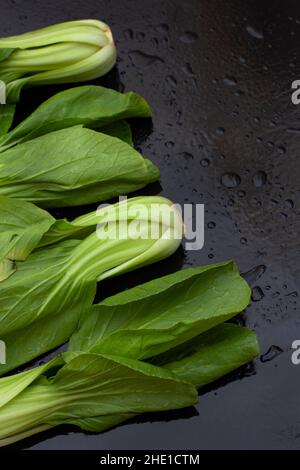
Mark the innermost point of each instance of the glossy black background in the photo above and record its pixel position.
(218, 76)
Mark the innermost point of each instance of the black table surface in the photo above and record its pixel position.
(225, 133)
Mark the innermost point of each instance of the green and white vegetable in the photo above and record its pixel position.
(68, 52)
(94, 107)
(73, 166)
(101, 380)
(43, 297)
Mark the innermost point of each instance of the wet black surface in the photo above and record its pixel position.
(225, 133)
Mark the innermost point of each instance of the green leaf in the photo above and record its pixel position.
(7, 112)
(119, 129)
(91, 106)
(211, 355)
(72, 167)
(22, 226)
(201, 361)
(90, 385)
(115, 389)
(5, 53)
(43, 300)
(13, 385)
(159, 315)
(41, 304)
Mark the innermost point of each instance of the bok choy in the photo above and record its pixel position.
(92, 106)
(45, 295)
(161, 319)
(69, 52)
(73, 166)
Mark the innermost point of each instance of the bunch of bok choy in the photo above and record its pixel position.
(144, 350)
(43, 296)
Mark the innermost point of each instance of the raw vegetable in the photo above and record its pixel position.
(25, 227)
(73, 166)
(22, 226)
(91, 106)
(42, 301)
(201, 361)
(116, 388)
(89, 386)
(7, 112)
(161, 314)
(68, 52)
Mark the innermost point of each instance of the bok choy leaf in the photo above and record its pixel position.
(42, 301)
(7, 112)
(73, 166)
(91, 106)
(90, 385)
(147, 320)
(96, 392)
(201, 361)
(22, 226)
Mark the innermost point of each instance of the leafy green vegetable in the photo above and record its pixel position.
(22, 226)
(211, 355)
(157, 316)
(97, 392)
(125, 211)
(101, 382)
(43, 300)
(7, 112)
(73, 166)
(201, 361)
(90, 385)
(119, 129)
(63, 53)
(91, 106)
(5, 53)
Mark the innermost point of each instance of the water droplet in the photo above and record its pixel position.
(187, 68)
(230, 180)
(289, 203)
(272, 353)
(243, 241)
(211, 255)
(229, 81)
(211, 225)
(205, 162)
(220, 130)
(257, 294)
(171, 80)
(143, 60)
(188, 37)
(254, 32)
(254, 274)
(293, 294)
(259, 179)
(281, 149)
(241, 193)
(186, 155)
(169, 144)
